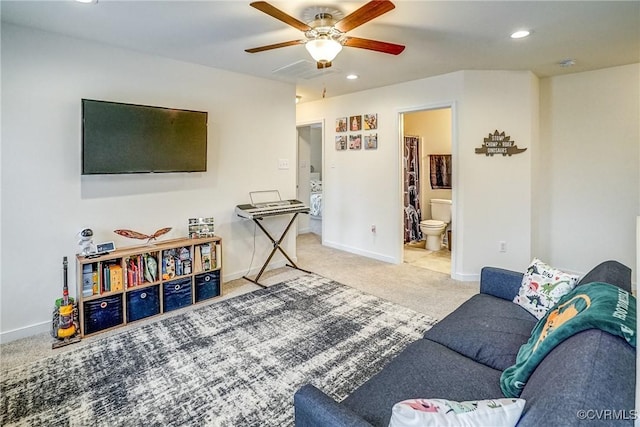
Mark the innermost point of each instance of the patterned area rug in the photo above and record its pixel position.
(237, 362)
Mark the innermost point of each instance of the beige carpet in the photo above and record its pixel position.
(420, 289)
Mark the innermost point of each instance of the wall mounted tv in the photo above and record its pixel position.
(122, 138)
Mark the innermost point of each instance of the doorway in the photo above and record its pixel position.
(427, 141)
(309, 176)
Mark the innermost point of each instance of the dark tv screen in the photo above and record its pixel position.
(122, 138)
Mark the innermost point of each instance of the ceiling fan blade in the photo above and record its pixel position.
(273, 11)
(366, 13)
(275, 46)
(384, 47)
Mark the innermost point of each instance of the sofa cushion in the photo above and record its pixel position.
(424, 368)
(542, 287)
(441, 413)
(487, 329)
(591, 371)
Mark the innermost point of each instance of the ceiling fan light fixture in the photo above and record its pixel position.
(323, 49)
(520, 34)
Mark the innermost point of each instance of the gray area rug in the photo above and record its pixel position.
(237, 362)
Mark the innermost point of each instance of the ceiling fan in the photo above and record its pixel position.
(325, 36)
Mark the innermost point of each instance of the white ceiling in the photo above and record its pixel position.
(440, 36)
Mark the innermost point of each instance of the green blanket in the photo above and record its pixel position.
(591, 306)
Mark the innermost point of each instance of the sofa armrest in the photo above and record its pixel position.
(500, 283)
(611, 272)
(313, 408)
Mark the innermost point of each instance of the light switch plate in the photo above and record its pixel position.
(283, 164)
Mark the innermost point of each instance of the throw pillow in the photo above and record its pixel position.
(440, 412)
(542, 287)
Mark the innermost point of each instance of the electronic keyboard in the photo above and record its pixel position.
(281, 207)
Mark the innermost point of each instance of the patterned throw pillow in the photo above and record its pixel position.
(542, 287)
(442, 413)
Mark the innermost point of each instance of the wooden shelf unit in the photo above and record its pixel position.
(138, 282)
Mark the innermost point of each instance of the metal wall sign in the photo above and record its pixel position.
(499, 143)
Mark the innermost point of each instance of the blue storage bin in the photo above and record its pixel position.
(176, 294)
(143, 303)
(103, 313)
(207, 285)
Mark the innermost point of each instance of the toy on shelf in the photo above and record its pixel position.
(141, 236)
(86, 242)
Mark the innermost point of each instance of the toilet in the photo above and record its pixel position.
(435, 227)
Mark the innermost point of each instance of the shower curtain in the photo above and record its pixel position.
(412, 214)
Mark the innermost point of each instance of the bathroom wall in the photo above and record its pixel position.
(434, 129)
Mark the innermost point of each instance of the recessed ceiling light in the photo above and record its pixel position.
(352, 76)
(87, 1)
(520, 34)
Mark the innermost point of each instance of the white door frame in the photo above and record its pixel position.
(320, 122)
(457, 236)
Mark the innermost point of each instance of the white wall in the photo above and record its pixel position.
(46, 201)
(589, 189)
(571, 199)
(493, 194)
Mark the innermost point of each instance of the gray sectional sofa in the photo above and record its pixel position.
(462, 357)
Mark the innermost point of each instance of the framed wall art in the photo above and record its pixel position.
(355, 123)
(371, 141)
(370, 121)
(355, 141)
(341, 124)
(341, 142)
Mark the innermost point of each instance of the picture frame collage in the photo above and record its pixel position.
(350, 134)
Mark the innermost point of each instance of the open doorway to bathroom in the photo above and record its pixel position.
(428, 189)
(310, 176)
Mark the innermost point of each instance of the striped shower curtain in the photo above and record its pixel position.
(412, 214)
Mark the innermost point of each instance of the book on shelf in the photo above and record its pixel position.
(140, 269)
(115, 273)
(112, 279)
(95, 283)
(205, 253)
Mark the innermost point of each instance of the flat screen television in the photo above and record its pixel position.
(120, 138)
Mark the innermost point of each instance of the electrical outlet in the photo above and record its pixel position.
(502, 246)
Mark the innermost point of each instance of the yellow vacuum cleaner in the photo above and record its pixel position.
(65, 326)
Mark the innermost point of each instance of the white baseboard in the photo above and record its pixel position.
(362, 252)
(462, 277)
(25, 332)
(227, 277)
